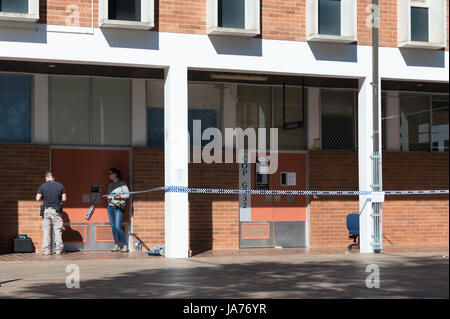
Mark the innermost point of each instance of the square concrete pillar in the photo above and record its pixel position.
(365, 151)
(176, 154)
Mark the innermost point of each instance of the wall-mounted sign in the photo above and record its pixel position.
(288, 179)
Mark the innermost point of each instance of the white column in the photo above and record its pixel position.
(392, 122)
(313, 117)
(139, 114)
(176, 161)
(40, 110)
(365, 150)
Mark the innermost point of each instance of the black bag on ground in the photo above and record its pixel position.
(22, 244)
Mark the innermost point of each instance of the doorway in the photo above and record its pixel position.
(83, 172)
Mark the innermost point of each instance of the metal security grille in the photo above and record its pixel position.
(338, 120)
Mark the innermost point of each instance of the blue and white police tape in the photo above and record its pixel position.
(377, 196)
(227, 191)
(182, 189)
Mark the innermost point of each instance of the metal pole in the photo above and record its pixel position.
(377, 169)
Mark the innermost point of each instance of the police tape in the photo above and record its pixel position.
(378, 196)
(181, 189)
(227, 191)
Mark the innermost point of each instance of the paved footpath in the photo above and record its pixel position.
(402, 275)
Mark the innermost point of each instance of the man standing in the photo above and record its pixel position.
(53, 194)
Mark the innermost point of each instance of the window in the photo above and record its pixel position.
(233, 17)
(232, 14)
(19, 10)
(422, 24)
(15, 107)
(204, 102)
(90, 111)
(439, 122)
(338, 120)
(331, 20)
(330, 17)
(415, 122)
(294, 138)
(262, 106)
(127, 14)
(16, 6)
(124, 10)
(419, 24)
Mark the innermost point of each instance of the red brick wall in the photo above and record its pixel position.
(182, 16)
(406, 220)
(280, 19)
(59, 12)
(213, 220)
(22, 168)
(283, 20)
(148, 208)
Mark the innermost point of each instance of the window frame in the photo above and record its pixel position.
(31, 17)
(349, 23)
(437, 24)
(252, 20)
(147, 17)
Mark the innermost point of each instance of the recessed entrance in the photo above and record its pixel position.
(83, 172)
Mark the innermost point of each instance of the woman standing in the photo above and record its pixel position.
(116, 208)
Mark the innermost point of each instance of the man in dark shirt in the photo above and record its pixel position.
(53, 194)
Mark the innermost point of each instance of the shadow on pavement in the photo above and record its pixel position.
(412, 277)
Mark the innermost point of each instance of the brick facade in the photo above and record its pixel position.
(22, 168)
(213, 220)
(148, 208)
(406, 220)
(280, 19)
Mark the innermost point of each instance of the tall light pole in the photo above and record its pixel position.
(377, 150)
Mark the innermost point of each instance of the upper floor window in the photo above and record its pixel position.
(330, 17)
(124, 10)
(232, 14)
(331, 20)
(415, 29)
(16, 6)
(233, 17)
(419, 24)
(15, 107)
(19, 10)
(127, 14)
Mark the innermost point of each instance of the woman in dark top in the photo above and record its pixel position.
(118, 193)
